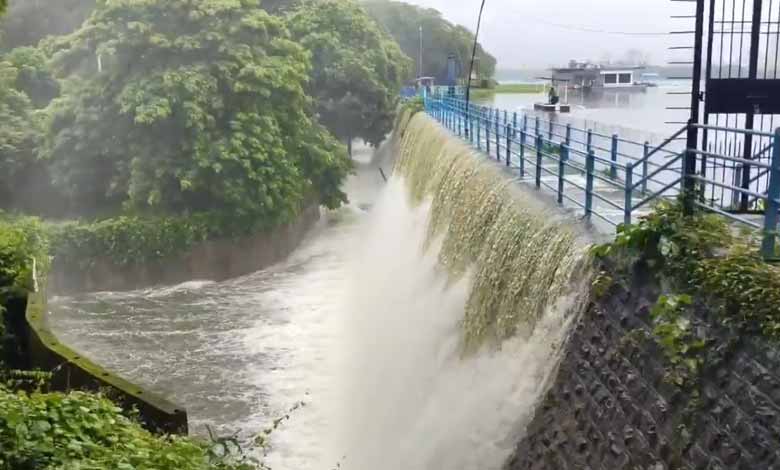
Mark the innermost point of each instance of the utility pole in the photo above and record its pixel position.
(420, 63)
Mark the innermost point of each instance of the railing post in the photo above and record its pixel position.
(646, 152)
(550, 130)
(498, 137)
(508, 131)
(479, 130)
(460, 119)
(487, 132)
(514, 123)
(568, 134)
(772, 206)
(449, 116)
(590, 163)
(629, 203)
(589, 141)
(522, 151)
(538, 161)
(536, 127)
(614, 153)
(564, 150)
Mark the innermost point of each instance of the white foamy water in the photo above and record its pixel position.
(360, 323)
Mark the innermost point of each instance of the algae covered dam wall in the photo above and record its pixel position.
(609, 399)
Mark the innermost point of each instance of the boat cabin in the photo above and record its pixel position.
(586, 75)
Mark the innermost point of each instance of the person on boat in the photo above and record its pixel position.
(553, 95)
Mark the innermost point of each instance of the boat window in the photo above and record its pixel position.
(610, 78)
(625, 78)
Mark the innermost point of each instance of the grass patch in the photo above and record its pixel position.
(509, 88)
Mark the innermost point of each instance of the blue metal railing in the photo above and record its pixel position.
(611, 178)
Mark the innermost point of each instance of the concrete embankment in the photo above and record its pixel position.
(213, 260)
(612, 404)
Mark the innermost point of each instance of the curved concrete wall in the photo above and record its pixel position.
(74, 372)
(212, 260)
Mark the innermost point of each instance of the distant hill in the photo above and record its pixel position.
(440, 38)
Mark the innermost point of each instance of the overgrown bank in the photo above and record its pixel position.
(40, 429)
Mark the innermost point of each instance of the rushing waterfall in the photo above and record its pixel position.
(463, 291)
(420, 324)
(524, 259)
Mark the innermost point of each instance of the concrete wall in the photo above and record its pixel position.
(74, 372)
(211, 260)
(611, 408)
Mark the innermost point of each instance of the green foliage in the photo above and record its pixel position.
(24, 379)
(357, 69)
(668, 241)
(22, 240)
(127, 240)
(440, 38)
(748, 286)
(187, 106)
(19, 132)
(33, 76)
(414, 106)
(601, 284)
(84, 431)
(675, 334)
(701, 255)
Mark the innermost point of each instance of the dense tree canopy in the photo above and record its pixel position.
(19, 133)
(357, 68)
(186, 105)
(440, 37)
(33, 76)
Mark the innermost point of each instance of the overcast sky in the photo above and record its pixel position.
(541, 33)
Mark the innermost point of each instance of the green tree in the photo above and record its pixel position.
(19, 134)
(33, 76)
(440, 38)
(189, 105)
(357, 70)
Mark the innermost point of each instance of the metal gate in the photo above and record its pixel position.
(736, 55)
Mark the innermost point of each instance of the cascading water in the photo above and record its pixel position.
(420, 333)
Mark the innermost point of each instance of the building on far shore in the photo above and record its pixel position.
(584, 75)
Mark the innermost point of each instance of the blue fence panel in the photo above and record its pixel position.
(613, 178)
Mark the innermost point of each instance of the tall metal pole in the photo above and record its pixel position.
(474, 54)
(707, 75)
(755, 38)
(419, 63)
(689, 184)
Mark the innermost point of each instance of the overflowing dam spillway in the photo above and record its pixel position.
(420, 323)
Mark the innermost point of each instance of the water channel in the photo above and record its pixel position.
(360, 323)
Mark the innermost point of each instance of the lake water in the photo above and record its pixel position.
(636, 114)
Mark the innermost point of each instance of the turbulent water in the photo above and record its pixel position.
(419, 324)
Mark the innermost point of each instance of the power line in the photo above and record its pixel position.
(586, 29)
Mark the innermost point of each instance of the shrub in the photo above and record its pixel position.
(77, 430)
